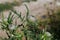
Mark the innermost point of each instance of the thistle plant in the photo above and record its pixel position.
(31, 29)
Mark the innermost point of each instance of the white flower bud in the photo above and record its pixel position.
(12, 35)
(12, 27)
(32, 18)
(48, 34)
(5, 19)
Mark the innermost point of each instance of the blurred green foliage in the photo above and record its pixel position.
(8, 6)
(55, 24)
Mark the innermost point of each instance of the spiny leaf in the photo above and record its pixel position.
(2, 17)
(19, 15)
(9, 17)
(27, 14)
